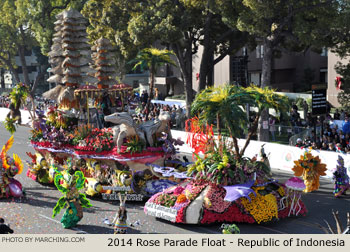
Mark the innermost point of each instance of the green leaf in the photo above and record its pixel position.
(59, 205)
(230, 173)
(84, 201)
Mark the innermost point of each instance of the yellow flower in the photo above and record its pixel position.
(225, 160)
(262, 208)
(220, 166)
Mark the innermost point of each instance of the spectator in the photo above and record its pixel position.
(324, 146)
(342, 115)
(156, 94)
(331, 147)
(299, 143)
(346, 126)
(295, 107)
(305, 108)
(336, 115)
(144, 96)
(4, 229)
(272, 122)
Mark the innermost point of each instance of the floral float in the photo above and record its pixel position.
(97, 156)
(9, 168)
(82, 126)
(310, 168)
(69, 184)
(224, 186)
(340, 178)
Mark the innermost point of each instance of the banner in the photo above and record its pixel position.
(174, 242)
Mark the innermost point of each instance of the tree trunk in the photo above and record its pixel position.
(265, 82)
(2, 75)
(184, 57)
(151, 87)
(250, 134)
(210, 73)
(21, 51)
(203, 70)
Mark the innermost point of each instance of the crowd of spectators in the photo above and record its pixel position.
(333, 138)
(4, 101)
(142, 113)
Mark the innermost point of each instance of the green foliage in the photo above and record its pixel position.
(10, 124)
(134, 145)
(80, 180)
(225, 168)
(81, 132)
(60, 204)
(228, 101)
(84, 201)
(230, 229)
(153, 58)
(293, 24)
(57, 180)
(41, 15)
(19, 94)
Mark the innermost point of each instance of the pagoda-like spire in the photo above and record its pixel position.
(104, 63)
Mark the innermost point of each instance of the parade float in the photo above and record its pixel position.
(225, 186)
(92, 123)
(9, 168)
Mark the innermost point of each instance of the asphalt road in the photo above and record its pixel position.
(32, 214)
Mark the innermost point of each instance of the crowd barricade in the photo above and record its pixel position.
(281, 156)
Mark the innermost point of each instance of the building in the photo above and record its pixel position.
(32, 66)
(332, 92)
(292, 72)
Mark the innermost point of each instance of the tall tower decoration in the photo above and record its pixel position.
(70, 56)
(104, 64)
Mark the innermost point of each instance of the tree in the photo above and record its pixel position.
(279, 25)
(36, 18)
(341, 41)
(219, 35)
(180, 25)
(138, 24)
(24, 25)
(226, 104)
(153, 58)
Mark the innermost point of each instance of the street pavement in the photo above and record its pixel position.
(32, 214)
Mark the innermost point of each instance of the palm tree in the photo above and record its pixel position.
(153, 58)
(226, 104)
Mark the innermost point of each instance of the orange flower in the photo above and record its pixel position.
(181, 198)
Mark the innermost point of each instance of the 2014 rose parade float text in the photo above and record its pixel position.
(168, 242)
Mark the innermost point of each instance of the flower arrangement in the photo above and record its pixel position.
(97, 140)
(167, 200)
(134, 144)
(224, 168)
(81, 132)
(263, 208)
(310, 168)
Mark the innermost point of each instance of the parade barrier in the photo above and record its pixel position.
(281, 156)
